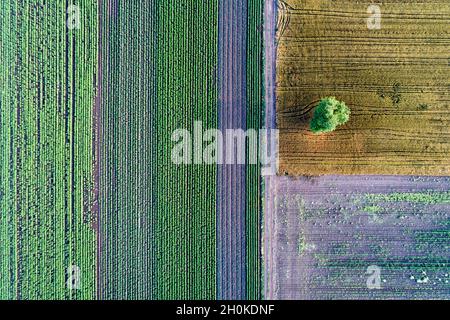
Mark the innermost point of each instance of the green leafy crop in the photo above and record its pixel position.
(329, 114)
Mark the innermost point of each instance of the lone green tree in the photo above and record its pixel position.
(329, 114)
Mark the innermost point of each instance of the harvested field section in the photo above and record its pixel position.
(394, 79)
(231, 178)
(240, 106)
(327, 231)
(47, 91)
(269, 37)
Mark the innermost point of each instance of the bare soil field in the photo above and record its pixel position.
(396, 81)
(323, 233)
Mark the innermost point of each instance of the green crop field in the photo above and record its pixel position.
(92, 206)
(255, 106)
(46, 146)
(157, 218)
(187, 58)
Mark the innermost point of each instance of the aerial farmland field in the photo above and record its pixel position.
(89, 192)
(190, 150)
(46, 136)
(161, 238)
(326, 231)
(156, 240)
(326, 235)
(394, 79)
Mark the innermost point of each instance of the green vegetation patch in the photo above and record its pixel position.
(47, 90)
(432, 197)
(329, 114)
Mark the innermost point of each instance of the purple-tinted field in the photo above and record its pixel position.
(231, 178)
(322, 234)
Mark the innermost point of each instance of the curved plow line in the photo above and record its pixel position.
(284, 17)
